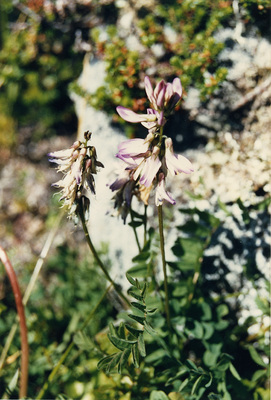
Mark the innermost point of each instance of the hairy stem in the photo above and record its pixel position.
(23, 329)
(162, 247)
(96, 256)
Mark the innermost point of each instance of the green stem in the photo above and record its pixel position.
(69, 348)
(135, 232)
(145, 224)
(96, 256)
(162, 246)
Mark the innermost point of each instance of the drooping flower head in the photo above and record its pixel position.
(78, 164)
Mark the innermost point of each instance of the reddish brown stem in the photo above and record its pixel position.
(23, 329)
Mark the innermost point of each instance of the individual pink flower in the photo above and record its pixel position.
(132, 148)
(130, 116)
(121, 180)
(125, 188)
(165, 96)
(175, 163)
(161, 194)
(148, 168)
(173, 94)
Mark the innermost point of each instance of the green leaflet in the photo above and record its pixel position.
(121, 344)
(141, 345)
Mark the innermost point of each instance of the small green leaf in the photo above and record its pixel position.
(141, 345)
(234, 372)
(131, 279)
(210, 358)
(149, 329)
(139, 306)
(255, 356)
(135, 354)
(124, 359)
(156, 356)
(183, 370)
(208, 330)
(13, 382)
(121, 331)
(152, 310)
(259, 374)
(143, 256)
(112, 364)
(197, 330)
(208, 384)
(224, 362)
(112, 329)
(222, 310)
(135, 332)
(158, 395)
(183, 384)
(121, 344)
(140, 320)
(206, 310)
(104, 361)
(191, 365)
(189, 250)
(137, 215)
(196, 384)
(143, 290)
(221, 325)
(196, 228)
(135, 224)
(140, 270)
(135, 295)
(83, 341)
(213, 396)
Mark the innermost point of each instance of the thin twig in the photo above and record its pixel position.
(135, 232)
(23, 328)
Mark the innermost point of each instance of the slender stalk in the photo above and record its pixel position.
(135, 232)
(31, 285)
(23, 329)
(162, 246)
(145, 224)
(96, 256)
(69, 348)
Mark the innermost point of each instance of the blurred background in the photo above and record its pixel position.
(64, 67)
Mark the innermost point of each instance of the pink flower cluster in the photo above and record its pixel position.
(163, 98)
(78, 164)
(148, 161)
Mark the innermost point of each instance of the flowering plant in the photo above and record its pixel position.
(176, 333)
